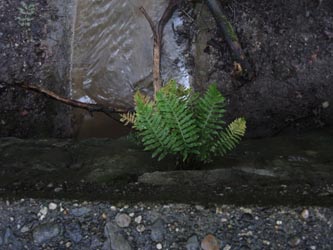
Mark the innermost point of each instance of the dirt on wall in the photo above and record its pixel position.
(34, 45)
(289, 43)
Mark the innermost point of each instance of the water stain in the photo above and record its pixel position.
(112, 52)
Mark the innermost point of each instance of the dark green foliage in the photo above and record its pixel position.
(180, 122)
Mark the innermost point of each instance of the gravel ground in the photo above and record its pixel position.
(55, 224)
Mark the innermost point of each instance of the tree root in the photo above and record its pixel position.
(158, 37)
(74, 103)
(230, 36)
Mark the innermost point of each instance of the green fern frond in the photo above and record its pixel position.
(182, 123)
(209, 113)
(230, 137)
(177, 116)
(153, 131)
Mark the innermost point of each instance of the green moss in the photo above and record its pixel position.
(230, 29)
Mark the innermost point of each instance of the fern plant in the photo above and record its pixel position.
(182, 123)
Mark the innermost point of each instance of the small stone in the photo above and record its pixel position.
(227, 247)
(266, 242)
(158, 231)
(95, 242)
(46, 232)
(74, 232)
(192, 243)
(210, 242)
(68, 244)
(53, 206)
(138, 219)
(113, 208)
(25, 229)
(78, 212)
(294, 242)
(159, 246)
(140, 228)
(305, 214)
(58, 189)
(42, 213)
(123, 220)
(279, 222)
(104, 216)
(115, 238)
(131, 215)
(199, 207)
(325, 105)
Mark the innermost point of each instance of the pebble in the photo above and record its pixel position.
(53, 206)
(325, 105)
(104, 216)
(42, 213)
(279, 222)
(210, 242)
(305, 214)
(46, 232)
(294, 242)
(140, 228)
(114, 238)
(199, 207)
(192, 243)
(138, 219)
(266, 242)
(74, 232)
(78, 212)
(25, 229)
(158, 230)
(58, 189)
(159, 246)
(123, 220)
(227, 247)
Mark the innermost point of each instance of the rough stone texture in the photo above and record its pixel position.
(38, 54)
(293, 57)
(123, 220)
(192, 243)
(115, 238)
(210, 242)
(46, 232)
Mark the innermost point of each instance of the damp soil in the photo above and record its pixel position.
(285, 170)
